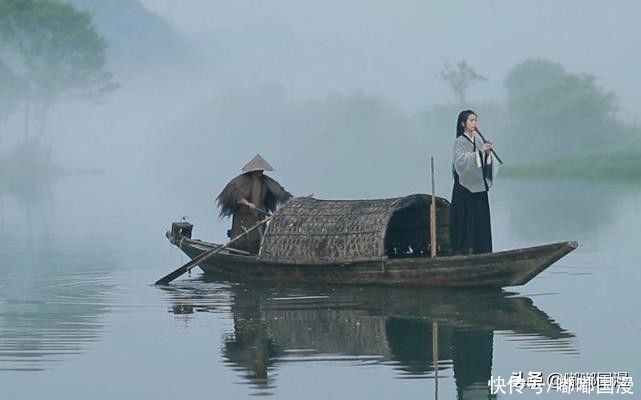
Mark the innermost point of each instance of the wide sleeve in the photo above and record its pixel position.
(239, 188)
(466, 161)
(275, 194)
(491, 167)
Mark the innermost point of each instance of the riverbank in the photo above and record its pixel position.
(622, 165)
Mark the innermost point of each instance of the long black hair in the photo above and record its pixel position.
(460, 122)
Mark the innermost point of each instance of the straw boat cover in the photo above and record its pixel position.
(317, 231)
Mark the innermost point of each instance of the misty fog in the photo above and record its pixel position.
(345, 99)
(141, 111)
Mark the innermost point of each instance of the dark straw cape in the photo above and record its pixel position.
(265, 193)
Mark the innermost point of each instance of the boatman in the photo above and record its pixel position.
(247, 198)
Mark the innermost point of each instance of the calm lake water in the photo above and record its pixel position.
(79, 318)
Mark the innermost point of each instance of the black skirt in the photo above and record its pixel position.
(470, 228)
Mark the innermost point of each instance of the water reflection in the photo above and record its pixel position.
(274, 325)
(60, 317)
(55, 285)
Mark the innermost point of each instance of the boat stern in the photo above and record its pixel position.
(179, 230)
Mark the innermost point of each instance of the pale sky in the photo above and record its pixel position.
(402, 38)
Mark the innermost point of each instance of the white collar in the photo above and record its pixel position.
(469, 137)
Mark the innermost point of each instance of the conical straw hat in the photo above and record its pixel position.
(257, 164)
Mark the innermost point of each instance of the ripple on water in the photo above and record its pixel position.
(50, 319)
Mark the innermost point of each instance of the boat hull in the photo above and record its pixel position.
(500, 269)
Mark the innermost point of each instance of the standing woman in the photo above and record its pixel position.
(473, 169)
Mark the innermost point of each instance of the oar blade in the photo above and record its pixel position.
(165, 280)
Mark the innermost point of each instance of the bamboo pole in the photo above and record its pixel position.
(435, 356)
(433, 213)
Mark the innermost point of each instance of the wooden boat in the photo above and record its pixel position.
(380, 242)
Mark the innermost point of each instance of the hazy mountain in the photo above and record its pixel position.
(136, 37)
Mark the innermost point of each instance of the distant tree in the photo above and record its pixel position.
(532, 75)
(552, 112)
(55, 49)
(460, 79)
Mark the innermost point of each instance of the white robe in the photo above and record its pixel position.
(469, 166)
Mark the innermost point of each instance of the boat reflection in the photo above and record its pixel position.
(274, 325)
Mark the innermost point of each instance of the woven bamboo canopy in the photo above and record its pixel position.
(317, 231)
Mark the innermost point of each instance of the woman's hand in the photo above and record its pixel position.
(486, 147)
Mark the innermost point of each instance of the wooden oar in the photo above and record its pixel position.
(191, 264)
